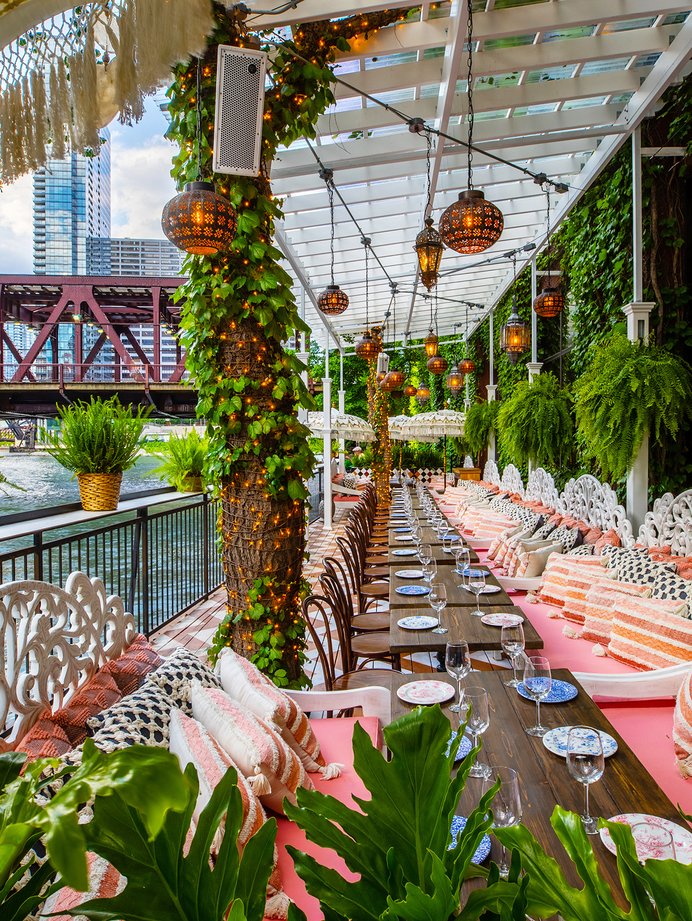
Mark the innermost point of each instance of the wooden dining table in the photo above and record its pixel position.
(625, 787)
(457, 596)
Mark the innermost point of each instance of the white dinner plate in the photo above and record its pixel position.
(409, 574)
(502, 620)
(487, 590)
(682, 838)
(417, 622)
(425, 692)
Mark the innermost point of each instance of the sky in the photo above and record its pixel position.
(140, 187)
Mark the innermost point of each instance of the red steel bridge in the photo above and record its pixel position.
(63, 338)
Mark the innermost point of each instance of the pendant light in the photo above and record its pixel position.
(332, 301)
(437, 364)
(455, 379)
(198, 220)
(467, 365)
(515, 335)
(432, 342)
(410, 390)
(471, 224)
(429, 244)
(394, 379)
(367, 347)
(551, 301)
(423, 394)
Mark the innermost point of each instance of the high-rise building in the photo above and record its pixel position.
(72, 201)
(110, 256)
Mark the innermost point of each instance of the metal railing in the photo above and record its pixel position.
(160, 555)
(41, 372)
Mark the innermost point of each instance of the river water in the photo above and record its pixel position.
(48, 484)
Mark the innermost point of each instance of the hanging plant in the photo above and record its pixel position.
(535, 423)
(480, 419)
(629, 390)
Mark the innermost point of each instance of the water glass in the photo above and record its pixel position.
(585, 763)
(462, 557)
(477, 586)
(429, 571)
(437, 599)
(506, 805)
(653, 842)
(476, 704)
(538, 681)
(513, 644)
(425, 553)
(458, 666)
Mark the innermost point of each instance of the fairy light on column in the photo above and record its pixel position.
(472, 224)
(368, 346)
(332, 301)
(551, 301)
(198, 220)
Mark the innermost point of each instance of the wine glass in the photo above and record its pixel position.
(506, 805)
(478, 720)
(477, 586)
(512, 642)
(463, 559)
(538, 681)
(653, 842)
(437, 599)
(425, 553)
(429, 571)
(586, 763)
(458, 666)
(416, 534)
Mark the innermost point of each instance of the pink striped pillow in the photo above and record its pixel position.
(272, 768)
(650, 633)
(602, 591)
(104, 883)
(682, 727)
(248, 687)
(563, 573)
(599, 608)
(501, 539)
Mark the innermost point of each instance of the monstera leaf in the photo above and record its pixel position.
(398, 840)
(166, 884)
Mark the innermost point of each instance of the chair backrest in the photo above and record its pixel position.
(343, 573)
(341, 603)
(320, 621)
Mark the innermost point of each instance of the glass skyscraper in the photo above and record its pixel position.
(72, 201)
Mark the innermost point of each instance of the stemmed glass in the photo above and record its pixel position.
(429, 571)
(462, 557)
(425, 553)
(586, 763)
(538, 681)
(476, 703)
(477, 586)
(512, 642)
(506, 805)
(437, 599)
(458, 666)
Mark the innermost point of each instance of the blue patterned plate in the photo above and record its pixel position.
(465, 746)
(417, 622)
(472, 572)
(405, 552)
(402, 530)
(412, 590)
(483, 849)
(556, 740)
(560, 693)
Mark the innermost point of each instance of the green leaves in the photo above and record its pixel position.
(397, 841)
(629, 390)
(535, 423)
(480, 419)
(163, 884)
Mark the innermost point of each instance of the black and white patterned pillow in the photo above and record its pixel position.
(544, 530)
(568, 537)
(350, 481)
(176, 674)
(142, 718)
(616, 555)
(672, 587)
(582, 550)
(640, 569)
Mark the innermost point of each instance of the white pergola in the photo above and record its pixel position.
(559, 87)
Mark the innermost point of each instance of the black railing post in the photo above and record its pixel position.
(143, 515)
(134, 563)
(38, 556)
(205, 544)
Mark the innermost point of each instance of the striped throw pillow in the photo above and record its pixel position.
(104, 883)
(682, 727)
(563, 573)
(248, 687)
(600, 591)
(498, 542)
(650, 633)
(598, 608)
(272, 768)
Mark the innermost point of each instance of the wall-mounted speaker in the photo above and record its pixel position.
(240, 75)
(382, 363)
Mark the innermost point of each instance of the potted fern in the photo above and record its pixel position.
(535, 423)
(481, 418)
(98, 441)
(183, 460)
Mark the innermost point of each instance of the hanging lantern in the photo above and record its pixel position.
(367, 347)
(466, 366)
(332, 301)
(393, 381)
(429, 249)
(410, 390)
(432, 343)
(550, 302)
(423, 394)
(437, 364)
(515, 336)
(380, 376)
(199, 221)
(472, 224)
(455, 379)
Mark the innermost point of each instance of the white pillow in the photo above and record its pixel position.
(537, 559)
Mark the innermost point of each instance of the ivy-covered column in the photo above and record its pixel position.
(378, 415)
(237, 310)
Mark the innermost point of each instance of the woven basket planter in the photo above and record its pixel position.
(190, 484)
(99, 492)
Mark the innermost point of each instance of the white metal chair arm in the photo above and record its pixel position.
(373, 701)
(663, 682)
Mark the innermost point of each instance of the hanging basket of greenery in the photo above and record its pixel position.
(98, 441)
(183, 460)
(535, 423)
(480, 419)
(630, 389)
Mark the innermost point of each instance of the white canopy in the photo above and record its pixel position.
(433, 425)
(343, 425)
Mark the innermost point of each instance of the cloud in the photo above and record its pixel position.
(16, 228)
